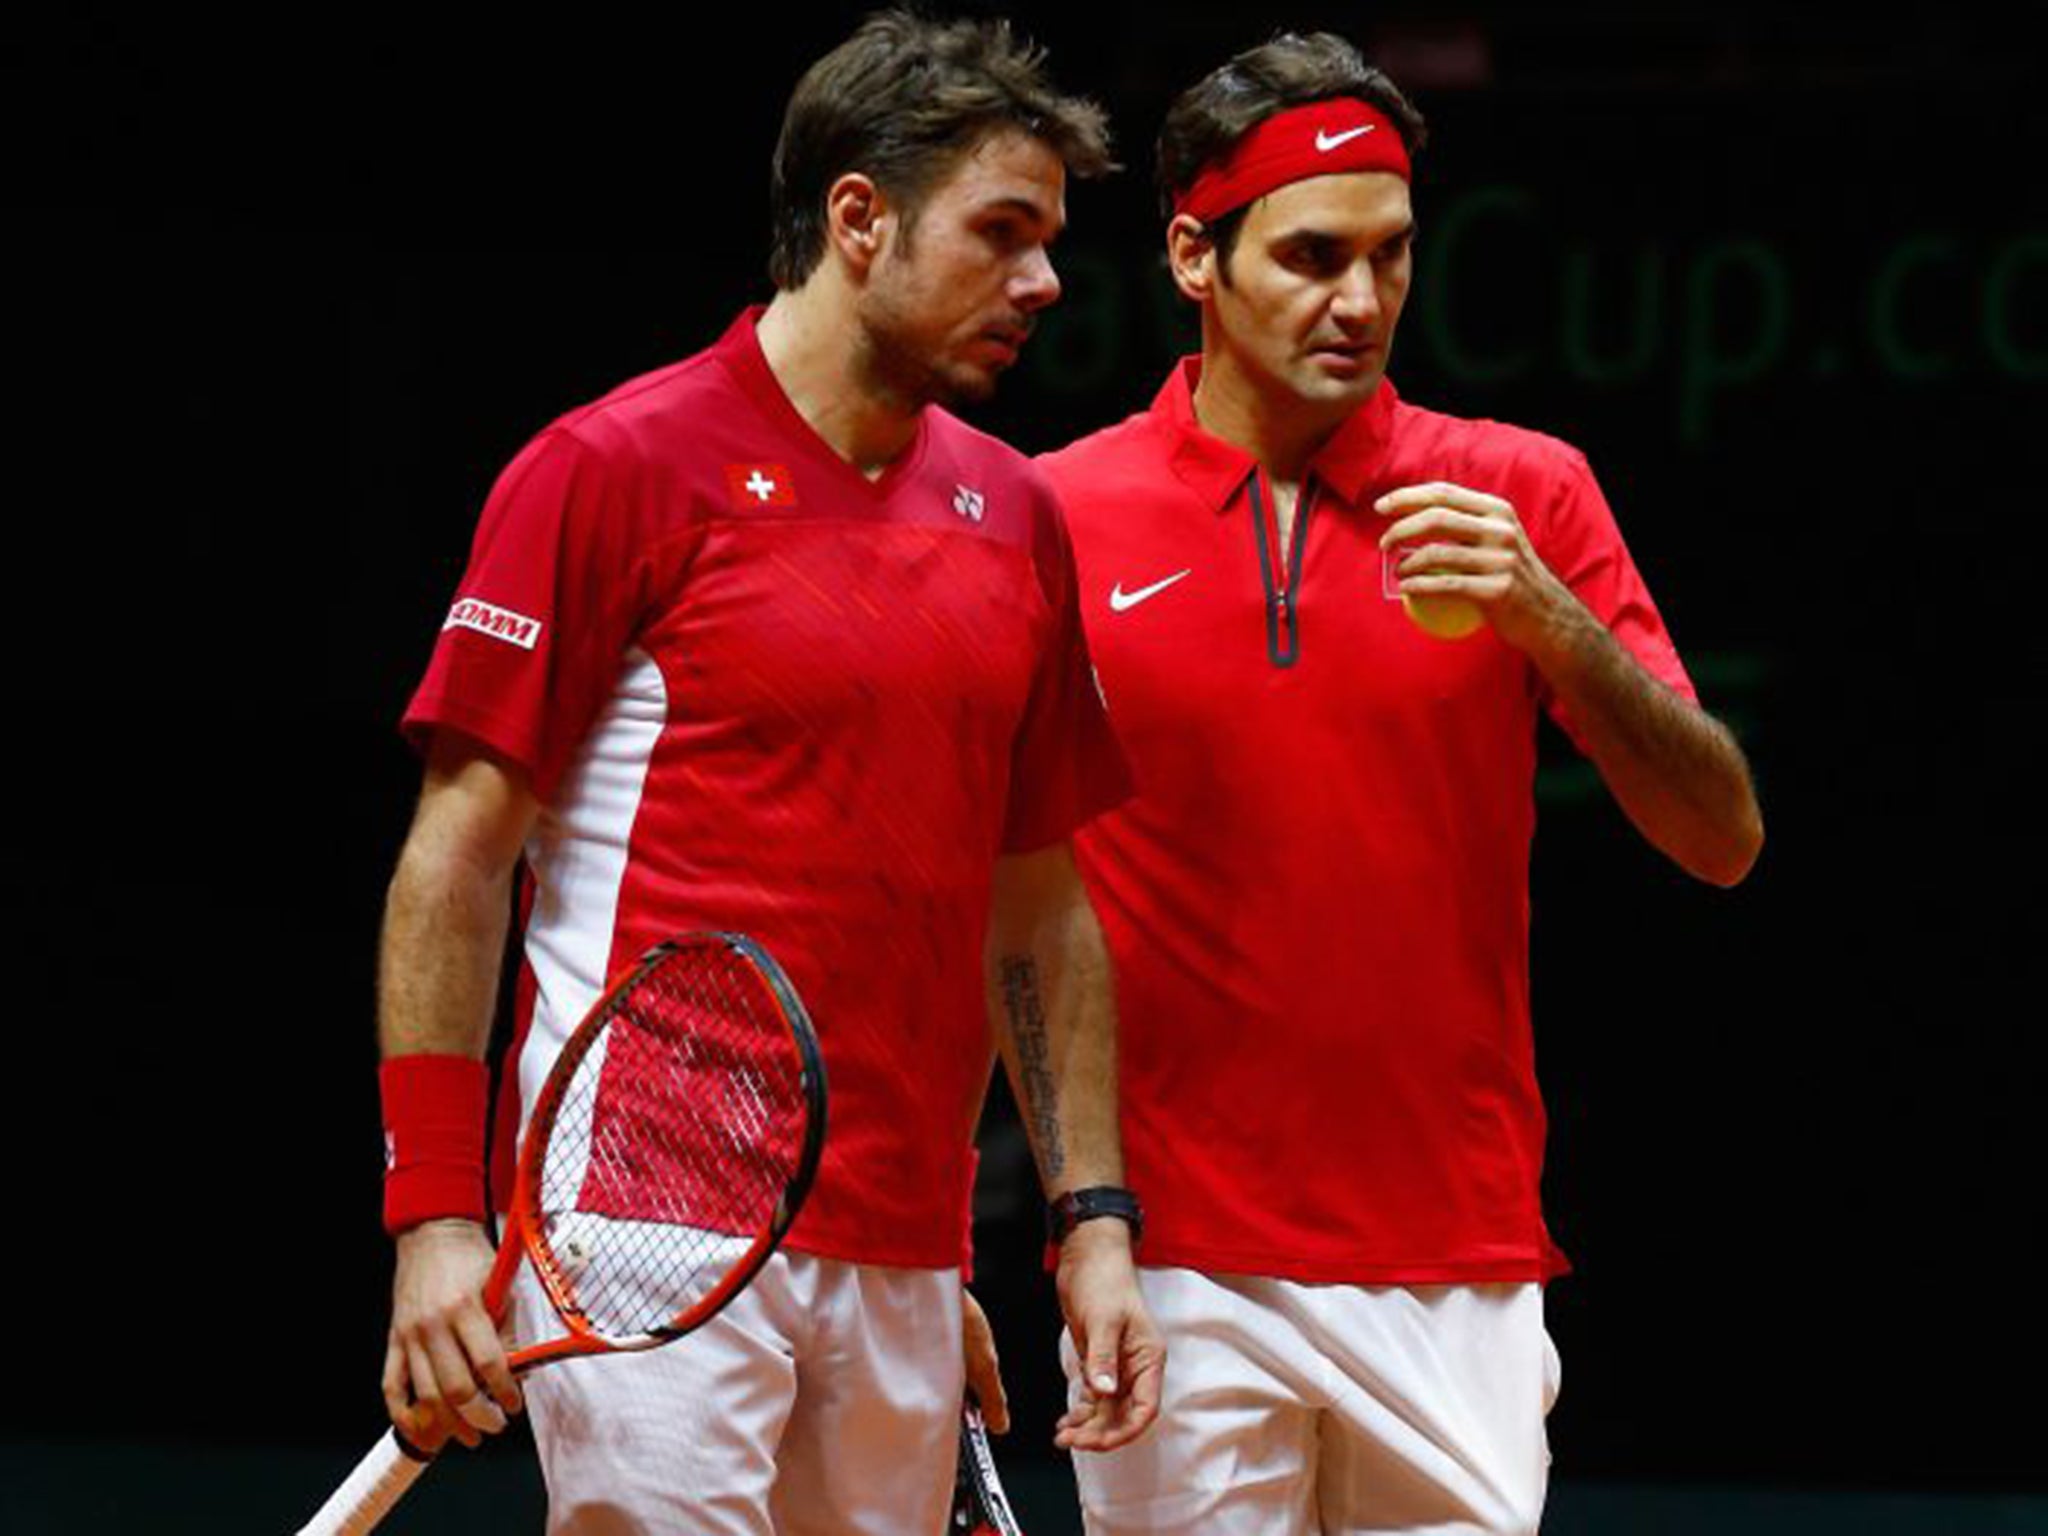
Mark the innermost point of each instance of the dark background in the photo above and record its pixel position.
(285, 296)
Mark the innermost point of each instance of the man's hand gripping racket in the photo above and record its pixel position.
(664, 1159)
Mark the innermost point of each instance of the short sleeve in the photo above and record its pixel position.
(533, 642)
(1065, 767)
(1581, 543)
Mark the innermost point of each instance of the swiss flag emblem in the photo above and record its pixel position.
(760, 485)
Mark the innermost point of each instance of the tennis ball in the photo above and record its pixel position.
(1442, 615)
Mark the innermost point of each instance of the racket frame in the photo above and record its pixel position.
(522, 1239)
(978, 1468)
(394, 1464)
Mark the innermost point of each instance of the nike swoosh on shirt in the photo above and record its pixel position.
(1325, 142)
(1119, 599)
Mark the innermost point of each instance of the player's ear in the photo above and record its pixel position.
(857, 219)
(1191, 256)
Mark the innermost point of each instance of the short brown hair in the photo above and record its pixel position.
(901, 101)
(1207, 119)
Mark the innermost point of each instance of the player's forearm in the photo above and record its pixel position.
(1052, 1008)
(445, 921)
(1675, 770)
(450, 904)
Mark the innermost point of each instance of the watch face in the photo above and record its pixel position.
(1079, 1205)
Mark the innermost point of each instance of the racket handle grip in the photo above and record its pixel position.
(368, 1493)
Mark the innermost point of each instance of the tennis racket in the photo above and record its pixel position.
(979, 1505)
(665, 1157)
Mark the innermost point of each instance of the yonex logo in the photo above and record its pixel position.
(1326, 141)
(499, 623)
(969, 503)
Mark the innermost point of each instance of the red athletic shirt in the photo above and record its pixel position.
(757, 691)
(1317, 902)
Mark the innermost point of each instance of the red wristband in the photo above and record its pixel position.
(434, 1110)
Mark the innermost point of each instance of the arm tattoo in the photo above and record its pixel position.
(1026, 1012)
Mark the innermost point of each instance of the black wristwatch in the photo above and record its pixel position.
(1079, 1205)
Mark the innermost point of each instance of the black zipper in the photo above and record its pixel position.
(1283, 600)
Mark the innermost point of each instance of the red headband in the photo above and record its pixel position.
(1324, 138)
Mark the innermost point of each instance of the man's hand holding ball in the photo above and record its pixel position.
(1463, 559)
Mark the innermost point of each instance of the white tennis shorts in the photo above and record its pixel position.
(1329, 1410)
(824, 1400)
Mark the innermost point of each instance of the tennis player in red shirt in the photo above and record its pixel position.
(770, 641)
(1317, 902)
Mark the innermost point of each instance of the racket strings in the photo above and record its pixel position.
(672, 1145)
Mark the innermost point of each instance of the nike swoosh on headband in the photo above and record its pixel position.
(1329, 141)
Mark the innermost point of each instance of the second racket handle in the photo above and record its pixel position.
(366, 1497)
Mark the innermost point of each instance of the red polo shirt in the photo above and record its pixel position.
(1318, 901)
(758, 691)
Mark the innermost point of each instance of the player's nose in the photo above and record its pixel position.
(1356, 301)
(1035, 284)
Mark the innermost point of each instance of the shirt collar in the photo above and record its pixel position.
(740, 350)
(1216, 470)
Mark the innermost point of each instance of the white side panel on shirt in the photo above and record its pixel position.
(577, 855)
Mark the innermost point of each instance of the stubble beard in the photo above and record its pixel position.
(894, 368)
